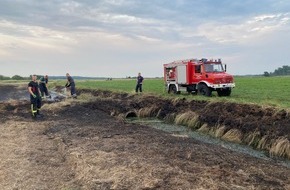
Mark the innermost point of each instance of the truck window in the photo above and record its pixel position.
(197, 68)
(213, 67)
(218, 68)
(208, 67)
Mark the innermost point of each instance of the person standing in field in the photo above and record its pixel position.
(35, 97)
(71, 83)
(139, 83)
(43, 86)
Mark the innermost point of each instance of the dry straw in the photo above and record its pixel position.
(281, 148)
(204, 128)
(189, 119)
(56, 106)
(233, 135)
(252, 139)
(220, 131)
(176, 101)
(264, 143)
(86, 97)
(148, 111)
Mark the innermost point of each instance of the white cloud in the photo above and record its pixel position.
(101, 14)
(148, 39)
(245, 31)
(116, 2)
(70, 7)
(17, 37)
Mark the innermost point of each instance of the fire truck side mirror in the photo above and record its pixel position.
(225, 67)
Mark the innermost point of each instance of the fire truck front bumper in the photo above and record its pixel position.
(224, 85)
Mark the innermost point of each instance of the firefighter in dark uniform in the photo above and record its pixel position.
(71, 83)
(139, 83)
(43, 86)
(35, 97)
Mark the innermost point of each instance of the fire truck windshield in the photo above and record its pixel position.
(213, 67)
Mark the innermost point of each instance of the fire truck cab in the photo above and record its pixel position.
(198, 76)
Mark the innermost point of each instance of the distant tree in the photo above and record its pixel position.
(2, 77)
(17, 77)
(266, 74)
(284, 70)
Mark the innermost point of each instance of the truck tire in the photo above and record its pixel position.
(204, 90)
(172, 89)
(224, 92)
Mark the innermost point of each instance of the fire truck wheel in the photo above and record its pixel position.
(172, 89)
(204, 90)
(224, 92)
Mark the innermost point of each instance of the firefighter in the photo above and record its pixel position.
(139, 83)
(71, 83)
(43, 86)
(35, 97)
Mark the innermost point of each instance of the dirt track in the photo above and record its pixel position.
(80, 146)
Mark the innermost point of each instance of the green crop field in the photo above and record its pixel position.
(273, 91)
(266, 91)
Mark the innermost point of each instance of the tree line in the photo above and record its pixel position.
(18, 77)
(280, 71)
(15, 77)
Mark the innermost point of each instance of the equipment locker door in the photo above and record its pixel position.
(181, 74)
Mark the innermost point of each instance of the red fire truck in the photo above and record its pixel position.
(198, 76)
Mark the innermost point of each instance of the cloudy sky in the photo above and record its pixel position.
(119, 38)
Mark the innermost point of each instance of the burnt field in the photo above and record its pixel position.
(87, 144)
(266, 129)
